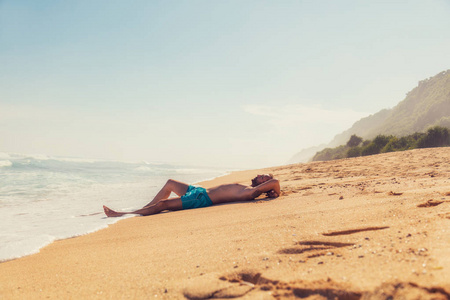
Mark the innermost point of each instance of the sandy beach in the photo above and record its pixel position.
(363, 228)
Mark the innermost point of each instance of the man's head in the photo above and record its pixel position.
(260, 179)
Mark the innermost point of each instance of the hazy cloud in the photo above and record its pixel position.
(294, 116)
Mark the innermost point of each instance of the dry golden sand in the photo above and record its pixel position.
(370, 227)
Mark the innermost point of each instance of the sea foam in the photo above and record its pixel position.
(5, 163)
(44, 198)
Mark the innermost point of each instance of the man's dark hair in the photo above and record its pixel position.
(254, 180)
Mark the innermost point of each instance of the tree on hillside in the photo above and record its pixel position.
(376, 145)
(354, 152)
(354, 141)
(403, 143)
(435, 137)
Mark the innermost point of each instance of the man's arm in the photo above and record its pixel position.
(269, 185)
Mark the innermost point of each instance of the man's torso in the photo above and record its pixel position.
(229, 193)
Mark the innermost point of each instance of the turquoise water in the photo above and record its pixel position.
(43, 198)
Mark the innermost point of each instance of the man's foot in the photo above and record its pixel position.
(111, 213)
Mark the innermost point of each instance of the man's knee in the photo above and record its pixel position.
(170, 183)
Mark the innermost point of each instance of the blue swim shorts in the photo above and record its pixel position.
(195, 197)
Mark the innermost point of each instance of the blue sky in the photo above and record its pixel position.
(238, 84)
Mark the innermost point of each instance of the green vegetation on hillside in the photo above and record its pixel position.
(435, 137)
(426, 105)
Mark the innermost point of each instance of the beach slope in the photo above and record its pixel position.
(371, 227)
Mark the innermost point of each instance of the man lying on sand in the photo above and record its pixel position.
(195, 197)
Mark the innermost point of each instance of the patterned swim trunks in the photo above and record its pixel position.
(195, 197)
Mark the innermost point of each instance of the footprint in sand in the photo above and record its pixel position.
(313, 246)
(229, 286)
(391, 193)
(430, 203)
(351, 231)
(253, 285)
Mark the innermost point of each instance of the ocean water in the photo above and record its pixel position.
(43, 198)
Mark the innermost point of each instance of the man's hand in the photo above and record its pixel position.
(272, 194)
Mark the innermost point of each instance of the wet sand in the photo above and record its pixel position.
(362, 228)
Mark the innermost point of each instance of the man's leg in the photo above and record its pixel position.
(179, 188)
(168, 204)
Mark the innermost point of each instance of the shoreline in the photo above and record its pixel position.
(113, 221)
(54, 240)
(357, 226)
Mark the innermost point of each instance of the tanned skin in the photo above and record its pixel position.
(220, 194)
